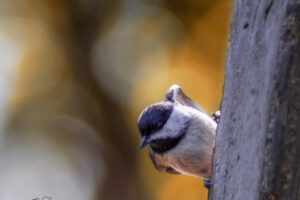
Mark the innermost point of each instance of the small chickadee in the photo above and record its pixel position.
(181, 135)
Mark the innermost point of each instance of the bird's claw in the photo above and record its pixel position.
(216, 116)
(207, 183)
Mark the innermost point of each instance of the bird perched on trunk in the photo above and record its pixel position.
(180, 134)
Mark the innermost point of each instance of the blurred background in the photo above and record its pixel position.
(76, 74)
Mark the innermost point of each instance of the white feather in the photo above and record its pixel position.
(192, 155)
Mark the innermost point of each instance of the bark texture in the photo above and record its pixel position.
(257, 149)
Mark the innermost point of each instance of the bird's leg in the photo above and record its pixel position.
(207, 183)
(216, 116)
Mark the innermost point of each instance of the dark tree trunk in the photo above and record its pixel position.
(257, 151)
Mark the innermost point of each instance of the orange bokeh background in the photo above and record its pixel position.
(77, 74)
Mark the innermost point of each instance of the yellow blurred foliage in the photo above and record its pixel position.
(93, 66)
(182, 188)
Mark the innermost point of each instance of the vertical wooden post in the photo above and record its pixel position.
(257, 151)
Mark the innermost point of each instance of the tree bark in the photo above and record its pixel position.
(257, 149)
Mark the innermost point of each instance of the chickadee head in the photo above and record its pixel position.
(180, 134)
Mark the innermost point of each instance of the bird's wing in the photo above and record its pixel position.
(176, 94)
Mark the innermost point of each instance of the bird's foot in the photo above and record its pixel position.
(207, 183)
(216, 116)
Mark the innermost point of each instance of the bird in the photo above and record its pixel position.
(180, 135)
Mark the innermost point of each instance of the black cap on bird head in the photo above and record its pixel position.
(154, 117)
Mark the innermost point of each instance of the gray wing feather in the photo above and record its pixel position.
(176, 94)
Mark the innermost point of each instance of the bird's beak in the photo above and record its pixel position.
(143, 142)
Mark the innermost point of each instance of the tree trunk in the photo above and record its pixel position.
(257, 149)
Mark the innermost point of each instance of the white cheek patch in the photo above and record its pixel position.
(176, 124)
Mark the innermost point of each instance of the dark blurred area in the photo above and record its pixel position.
(76, 74)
